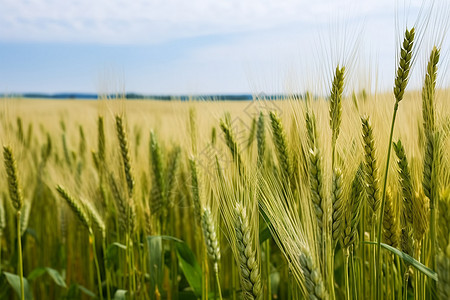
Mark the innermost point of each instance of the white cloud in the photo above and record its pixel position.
(154, 21)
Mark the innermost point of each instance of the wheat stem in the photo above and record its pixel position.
(399, 90)
(19, 249)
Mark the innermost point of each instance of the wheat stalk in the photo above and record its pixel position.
(17, 202)
(443, 253)
(401, 80)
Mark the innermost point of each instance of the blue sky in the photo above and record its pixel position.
(200, 46)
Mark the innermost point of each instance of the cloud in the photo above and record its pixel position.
(156, 21)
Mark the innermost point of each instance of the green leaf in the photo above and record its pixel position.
(155, 262)
(86, 291)
(54, 274)
(57, 278)
(422, 268)
(119, 245)
(120, 295)
(190, 267)
(188, 263)
(112, 255)
(14, 282)
(38, 272)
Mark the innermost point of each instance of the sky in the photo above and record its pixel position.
(202, 46)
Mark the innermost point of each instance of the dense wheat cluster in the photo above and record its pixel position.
(293, 198)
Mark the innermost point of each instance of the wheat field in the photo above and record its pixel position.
(341, 197)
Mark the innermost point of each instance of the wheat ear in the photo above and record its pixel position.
(249, 268)
(123, 142)
(76, 207)
(316, 186)
(370, 169)
(404, 66)
(405, 181)
(211, 239)
(337, 199)
(261, 139)
(15, 191)
(430, 160)
(311, 130)
(195, 190)
(313, 278)
(390, 225)
(353, 207)
(101, 140)
(421, 209)
(336, 103)
(159, 186)
(279, 139)
(231, 142)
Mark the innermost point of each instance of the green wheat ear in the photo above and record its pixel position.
(311, 130)
(249, 265)
(261, 139)
(404, 66)
(370, 169)
(230, 140)
(280, 141)
(338, 205)
(390, 222)
(405, 180)
(316, 187)
(101, 140)
(337, 89)
(76, 207)
(352, 210)
(123, 142)
(195, 190)
(211, 238)
(13, 179)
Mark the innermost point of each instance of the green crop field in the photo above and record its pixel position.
(339, 197)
